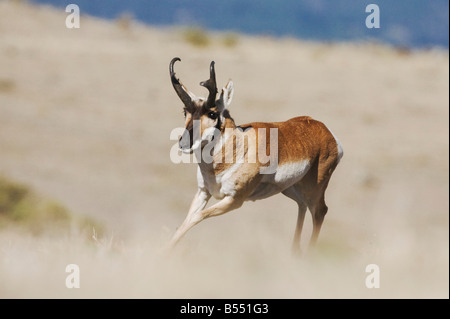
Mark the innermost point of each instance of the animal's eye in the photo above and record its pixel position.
(184, 112)
(213, 115)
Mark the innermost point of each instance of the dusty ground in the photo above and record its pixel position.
(85, 118)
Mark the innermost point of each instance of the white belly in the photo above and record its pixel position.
(285, 176)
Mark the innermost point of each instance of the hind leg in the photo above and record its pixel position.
(313, 187)
(293, 193)
(315, 200)
(318, 212)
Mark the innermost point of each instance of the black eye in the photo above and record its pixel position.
(213, 115)
(184, 112)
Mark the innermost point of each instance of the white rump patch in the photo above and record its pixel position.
(339, 147)
(340, 150)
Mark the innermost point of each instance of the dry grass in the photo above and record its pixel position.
(85, 119)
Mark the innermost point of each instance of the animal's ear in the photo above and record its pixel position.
(226, 95)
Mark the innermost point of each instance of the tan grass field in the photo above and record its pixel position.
(85, 119)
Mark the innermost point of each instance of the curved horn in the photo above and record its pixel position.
(179, 87)
(210, 84)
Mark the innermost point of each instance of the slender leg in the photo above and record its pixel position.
(318, 215)
(198, 203)
(225, 205)
(298, 228)
(294, 194)
(316, 198)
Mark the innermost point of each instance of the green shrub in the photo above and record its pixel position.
(125, 21)
(196, 37)
(230, 40)
(21, 207)
(11, 195)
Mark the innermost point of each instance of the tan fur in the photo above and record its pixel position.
(306, 157)
(300, 138)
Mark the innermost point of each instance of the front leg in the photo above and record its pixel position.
(198, 203)
(194, 217)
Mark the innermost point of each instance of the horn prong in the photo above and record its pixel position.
(211, 85)
(181, 90)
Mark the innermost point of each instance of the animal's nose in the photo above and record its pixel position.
(185, 141)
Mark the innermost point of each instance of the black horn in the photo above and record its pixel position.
(179, 87)
(210, 84)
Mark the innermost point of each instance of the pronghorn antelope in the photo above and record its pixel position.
(306, 155)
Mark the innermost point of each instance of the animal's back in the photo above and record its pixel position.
(299, 138)
(306, 149)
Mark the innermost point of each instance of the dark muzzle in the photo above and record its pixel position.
(186, 140)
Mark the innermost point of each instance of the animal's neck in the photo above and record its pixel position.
(227, 122)
(222, 146)
(227, 129)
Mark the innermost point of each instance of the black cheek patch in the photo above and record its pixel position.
(244, 128)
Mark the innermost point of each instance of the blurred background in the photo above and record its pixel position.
(416, 23)
(85, 170)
